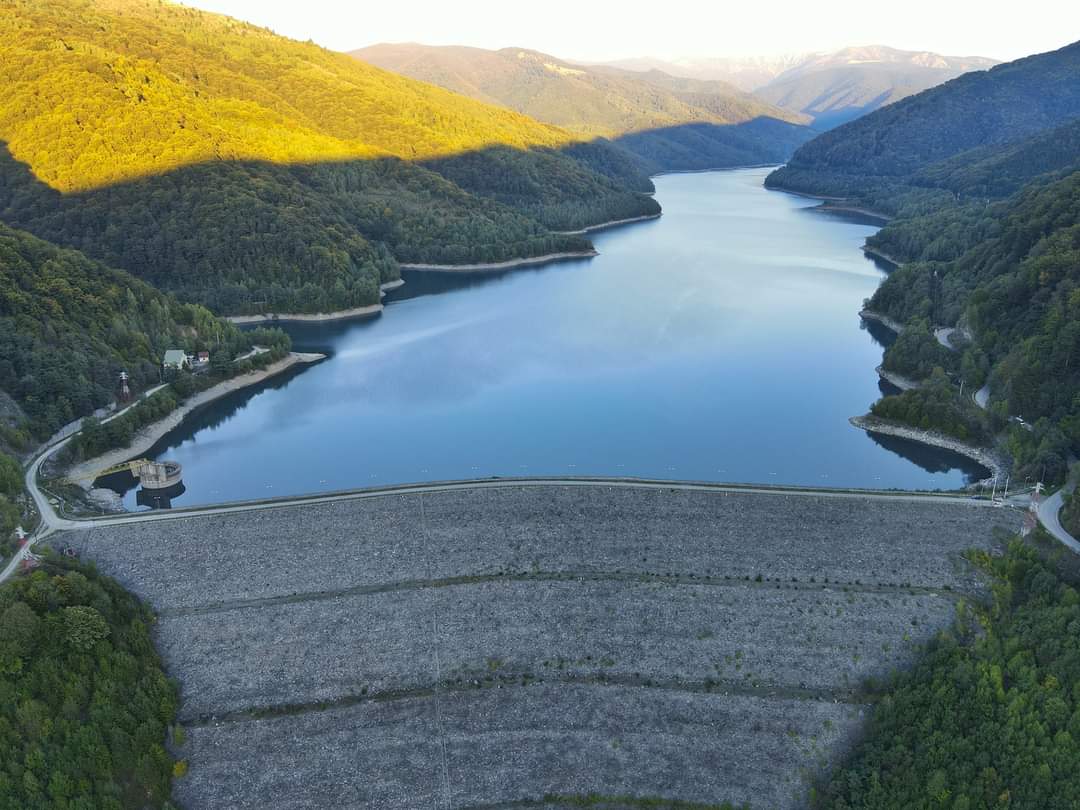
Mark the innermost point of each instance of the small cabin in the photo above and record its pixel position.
(202, 358)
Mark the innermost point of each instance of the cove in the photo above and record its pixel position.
(720, 342)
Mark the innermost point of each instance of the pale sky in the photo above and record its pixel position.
(606, 29)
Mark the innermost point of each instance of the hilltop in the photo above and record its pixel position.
(666, 121)
(830, 88)
(837, 87)
(248, 171)
(985, 108)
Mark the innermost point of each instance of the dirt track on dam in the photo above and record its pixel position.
(482, 647)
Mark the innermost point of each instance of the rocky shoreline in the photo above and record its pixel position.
(838, 204)
(987, 457)
(274, 317)
(884, 320)
(149, 435)
(869, 251)
(611, 224)
(494, 267)
(901, 382)
(339, 315)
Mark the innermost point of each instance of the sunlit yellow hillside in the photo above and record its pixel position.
(103, 91)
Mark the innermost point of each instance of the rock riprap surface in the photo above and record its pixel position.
(481, 647)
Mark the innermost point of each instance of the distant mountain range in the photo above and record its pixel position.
(831, 88)
(895, 145)
(669, 122)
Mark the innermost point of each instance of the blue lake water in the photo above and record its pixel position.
(721, 342)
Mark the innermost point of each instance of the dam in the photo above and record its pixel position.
(525, 644)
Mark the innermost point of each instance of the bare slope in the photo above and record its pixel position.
(837, 87)
(479, 647)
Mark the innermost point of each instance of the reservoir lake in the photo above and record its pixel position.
(720, 342)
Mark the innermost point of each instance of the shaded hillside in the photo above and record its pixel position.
(237, 167)
(69, 325)
(1009, 272)
(647, 113)
(997, 171)
(982, 176)
(838, 87)
(891, 145)
(252, 237)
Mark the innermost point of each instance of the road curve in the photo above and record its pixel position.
(1049, 517)
(50, 521)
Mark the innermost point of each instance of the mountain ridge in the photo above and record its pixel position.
(831, 87)
(244, 171)
(671, 123)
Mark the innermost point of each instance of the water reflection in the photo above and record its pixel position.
(931, 459)
(720, 342)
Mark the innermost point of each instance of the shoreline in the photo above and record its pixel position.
(878, 254)
(494, 267)
(897, 380)
(149, 435)
(833, 203)
(854, 209)
(610, 224)
(301, 317)
(983, 456)
(274, 317)
(718, 169)
(884, 320)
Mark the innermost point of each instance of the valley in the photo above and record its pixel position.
(448, 422)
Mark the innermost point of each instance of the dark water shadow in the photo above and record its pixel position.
(931, 459)
(206, 417)
(879, 332)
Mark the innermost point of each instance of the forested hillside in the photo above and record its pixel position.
(250, 172)
(69, 325)
(1010, 273)
(990, 717)
(982, 177)
(892, 145)
(667, 122)
(85, 706)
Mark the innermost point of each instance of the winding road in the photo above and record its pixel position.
(1049, 517)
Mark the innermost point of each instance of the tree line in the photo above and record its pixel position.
(989, 716)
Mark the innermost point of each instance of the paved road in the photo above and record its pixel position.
(943, 333)
(1049, 512)
(50, 521)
